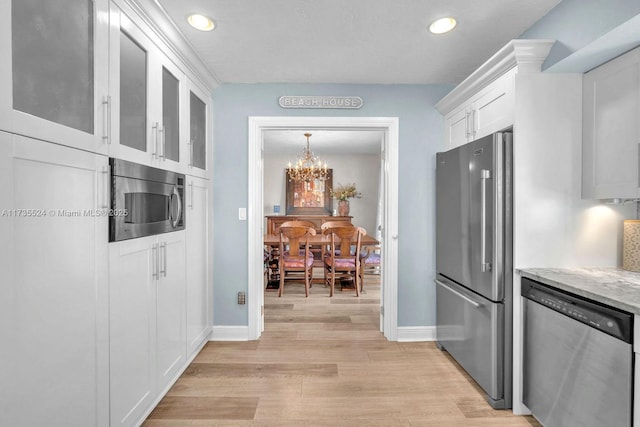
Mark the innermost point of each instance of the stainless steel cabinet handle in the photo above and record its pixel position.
(154, 132)
(106, 186)
(163, 248)
(155, 260)
(473, 123)
(476, 304)
(485, 175)
(191, 153)
(165, 259)
(106, 119)
(466, 124)
(190, 196)
(161, 142)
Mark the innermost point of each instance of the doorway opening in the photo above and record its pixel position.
(388, 126)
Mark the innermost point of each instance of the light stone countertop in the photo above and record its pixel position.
(611, 286)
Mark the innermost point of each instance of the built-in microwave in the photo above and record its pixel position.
(144, 201)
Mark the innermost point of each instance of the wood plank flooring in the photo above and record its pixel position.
(323, 362)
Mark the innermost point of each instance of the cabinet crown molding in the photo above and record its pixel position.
(527, 55)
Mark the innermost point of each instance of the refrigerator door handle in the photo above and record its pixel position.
(476, 304)
(485, 175)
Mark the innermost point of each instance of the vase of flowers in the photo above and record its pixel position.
(343, 193)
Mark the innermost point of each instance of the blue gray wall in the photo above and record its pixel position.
(421, 136)
(575, 24)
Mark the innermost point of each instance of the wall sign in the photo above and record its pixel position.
(320, 102)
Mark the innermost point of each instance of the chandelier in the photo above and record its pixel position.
(308, 167)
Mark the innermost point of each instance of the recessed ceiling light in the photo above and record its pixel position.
(442, 25)
(201, 22)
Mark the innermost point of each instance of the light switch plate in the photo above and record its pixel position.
(242, 214)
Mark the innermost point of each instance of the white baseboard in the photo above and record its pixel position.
(405, 333)
(416, 333)
(229, 333)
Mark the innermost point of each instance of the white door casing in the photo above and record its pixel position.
(255, 205)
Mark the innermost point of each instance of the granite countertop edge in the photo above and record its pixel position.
(609, 285)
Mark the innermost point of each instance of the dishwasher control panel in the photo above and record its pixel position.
(607, 319)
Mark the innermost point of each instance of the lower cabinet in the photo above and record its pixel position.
(54, 349)
(198, 295)
(170, 315)
(147, 322)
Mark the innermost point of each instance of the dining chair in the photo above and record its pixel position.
(333, 224)
(343, 256)
(369, 262)
(295, 262)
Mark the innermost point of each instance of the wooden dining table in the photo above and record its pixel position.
(273, 241)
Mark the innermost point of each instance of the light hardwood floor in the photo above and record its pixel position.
(323, 362)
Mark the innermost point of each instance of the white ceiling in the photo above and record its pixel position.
(348, 41)
(351, 41)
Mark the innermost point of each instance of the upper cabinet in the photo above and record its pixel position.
(101, 76)
(146, 101)
(198, 108)
(488, 111)
(484, 102)
(611, 129)
(54, 83)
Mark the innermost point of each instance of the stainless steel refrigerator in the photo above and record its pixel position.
(474, 261)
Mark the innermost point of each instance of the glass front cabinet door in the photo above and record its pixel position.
(146, 87)
(198, 132)
(54, 81)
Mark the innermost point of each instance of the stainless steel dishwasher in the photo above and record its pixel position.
(577, 359)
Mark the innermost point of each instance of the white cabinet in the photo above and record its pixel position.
(91, 74)
(488, 111)
(95, 332)
(170, 314)
(147, 324)
(54, 294)
(146, 97)
(457, 127)
(611, 129)
(54, 76)
(132, 277)
(198, 128)
(199, 298)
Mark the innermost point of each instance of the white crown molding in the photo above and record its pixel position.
(157, 19)
(527, 55)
